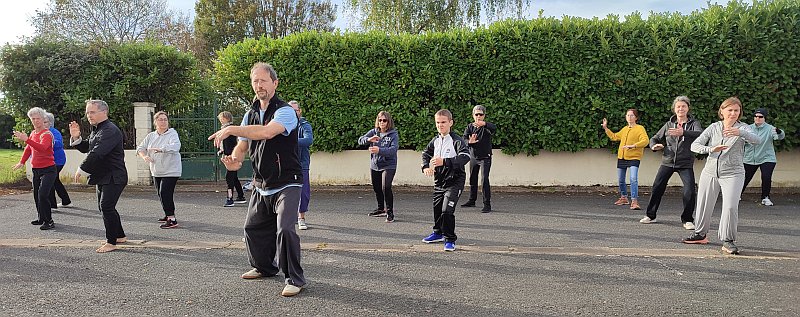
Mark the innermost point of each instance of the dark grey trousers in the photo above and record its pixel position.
(272, 242)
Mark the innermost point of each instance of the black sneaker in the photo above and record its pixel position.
(696, 238)
(240, 200)
(163, 219)
(469, 203)
(48, 226)
(229, 203)
(378, 212)
(486, 208)
(389, 216)
(171, 223)
(37, 222)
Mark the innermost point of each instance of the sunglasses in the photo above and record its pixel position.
(383, 120)
(478, 114)
(761, 117)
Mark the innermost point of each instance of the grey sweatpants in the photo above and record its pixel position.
(709, 188)
(269, 230)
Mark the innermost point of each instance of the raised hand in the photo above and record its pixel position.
(605, 123)
(21, 136)
(678, 131)
(74, 130)
(657, 147)
(437, 161)
(719, 148)
(732, 131)
(473, 138)
(374, 138)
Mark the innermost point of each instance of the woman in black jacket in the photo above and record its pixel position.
(675, 139)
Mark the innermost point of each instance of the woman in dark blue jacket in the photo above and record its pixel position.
(382, 140)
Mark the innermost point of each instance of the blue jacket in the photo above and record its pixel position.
(305, 137)
(58, 147)
(386, 158)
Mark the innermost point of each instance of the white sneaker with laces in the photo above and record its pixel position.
(688, 225)
(61, 205)
(648, 220)
(766, 201)
(252, 274)
(301, 224)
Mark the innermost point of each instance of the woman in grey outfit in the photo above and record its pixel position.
(724, 142)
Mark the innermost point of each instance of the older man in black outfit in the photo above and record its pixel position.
(105, 166)
(479, 133)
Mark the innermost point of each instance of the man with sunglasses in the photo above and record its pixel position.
(479, 136)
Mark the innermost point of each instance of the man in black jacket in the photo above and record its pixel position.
(479, 133)
(675, 139)
(269, 133)
(105, 166)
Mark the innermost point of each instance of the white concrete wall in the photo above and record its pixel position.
(586, 168)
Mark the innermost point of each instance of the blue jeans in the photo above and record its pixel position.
(623, 188)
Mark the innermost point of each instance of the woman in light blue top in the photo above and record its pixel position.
(161, 149)
(762, 155)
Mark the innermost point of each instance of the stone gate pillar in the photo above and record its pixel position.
(143, 122)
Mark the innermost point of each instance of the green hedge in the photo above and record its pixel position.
(60, 76)
(547, 83)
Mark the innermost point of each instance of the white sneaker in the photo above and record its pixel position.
(766, 202)
(688, 225)
(60, 205)
(291, 290)
(252, 274)
(648, 220)
(301, 224)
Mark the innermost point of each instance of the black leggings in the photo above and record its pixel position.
(165, 186)
(382, 185)
(766, 176)
(232, 178)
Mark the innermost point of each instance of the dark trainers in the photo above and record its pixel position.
(378, 212)
(240, 200)
(48, 225)
(171, 223)
(228, 203)
(163, 219)
(696, 238)
(486, 208)
(469, 203)
(433, 238)
(37, 222)
(729, 247)
(389, 216)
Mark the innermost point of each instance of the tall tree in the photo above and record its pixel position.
(112, 22)
(416, 16)
(219, 23)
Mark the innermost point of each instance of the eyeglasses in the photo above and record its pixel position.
(478, 114)
(383, 120)
(760, 117)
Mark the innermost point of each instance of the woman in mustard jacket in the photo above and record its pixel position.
(633, 139)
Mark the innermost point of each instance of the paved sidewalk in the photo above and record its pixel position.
(539, 253)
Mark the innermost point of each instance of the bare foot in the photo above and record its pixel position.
(122, 240)
(106, 247)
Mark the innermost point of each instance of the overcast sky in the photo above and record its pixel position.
(15, 16)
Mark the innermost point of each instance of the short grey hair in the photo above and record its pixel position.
(50, 119)
(479, 107)
(294, 103)
(679, 99)
(101, 105)
(266, 67)
(39, 112)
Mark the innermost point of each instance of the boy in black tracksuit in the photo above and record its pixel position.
(444, 158)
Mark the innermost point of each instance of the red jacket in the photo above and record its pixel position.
(40, 146)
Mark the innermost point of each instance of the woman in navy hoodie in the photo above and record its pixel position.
(382, 140)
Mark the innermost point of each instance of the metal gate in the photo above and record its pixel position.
(199, 156)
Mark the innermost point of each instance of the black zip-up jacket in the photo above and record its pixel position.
(455, 154)
(482, 149)
(105, 159)
(275, 161)
(677, 150)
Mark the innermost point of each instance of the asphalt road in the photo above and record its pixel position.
(561, 253)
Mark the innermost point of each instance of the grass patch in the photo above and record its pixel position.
(9, 157)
